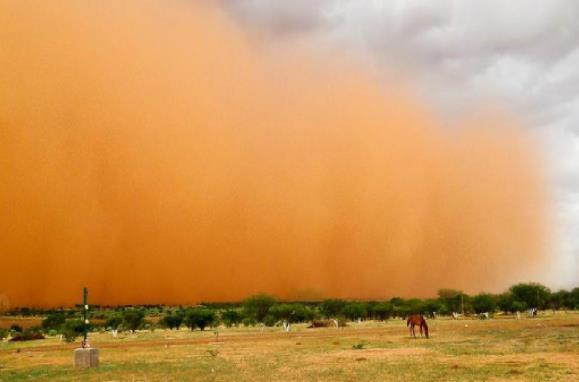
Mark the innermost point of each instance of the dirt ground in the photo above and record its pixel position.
(540, 349)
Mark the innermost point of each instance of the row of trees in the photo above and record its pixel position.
(265, 309)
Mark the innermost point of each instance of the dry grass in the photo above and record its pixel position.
(543, 349)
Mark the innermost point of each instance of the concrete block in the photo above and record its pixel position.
(87, 357)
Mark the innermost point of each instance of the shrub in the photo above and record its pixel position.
(451, 298)
(3, 333)
(572, 301)
(199, 318)
(355, 310)
(29, 334)
(133, 319)
(231, 317)
(172, 321)
(332, 308)
(14, 328)
(505, 302)
(382, 310)
(248, 321)
(257, 307)
(292, 312)
(53, 321)
(403, 308)
(557, 299)
(114, 322)
(71, 329)
(432, 306)
(270, 320)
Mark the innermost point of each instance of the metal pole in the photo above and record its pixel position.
(85, 316)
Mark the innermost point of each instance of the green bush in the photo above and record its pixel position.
(248, 321)
(172, 321)
(269, 320)
(200, 318)
(403, 308)
(557, 299)
(382, 311)
(257, 307)
(572, 299)
(3, 333)
(332, 308)
(432, 306)
(71, 329)
(451, 298)
(133, 319)
(53, 321)
(291, 312)
(231, 317)
(355, 310)
(114, 321)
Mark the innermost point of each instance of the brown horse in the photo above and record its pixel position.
(417, 319)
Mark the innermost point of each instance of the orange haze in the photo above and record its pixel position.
(155, 153)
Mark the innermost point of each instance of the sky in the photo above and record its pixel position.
(459, 55)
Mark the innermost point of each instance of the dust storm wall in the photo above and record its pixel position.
(156, 154)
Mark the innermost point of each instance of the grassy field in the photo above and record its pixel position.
(540, 349)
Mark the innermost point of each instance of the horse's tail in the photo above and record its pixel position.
(408, 321)
(425, 327)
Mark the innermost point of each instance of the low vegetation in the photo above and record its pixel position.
(266, 310)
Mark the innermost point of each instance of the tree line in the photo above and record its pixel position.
(266, 310)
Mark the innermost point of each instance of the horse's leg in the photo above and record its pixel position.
(421, 331)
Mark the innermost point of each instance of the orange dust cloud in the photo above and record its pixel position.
(154, 152)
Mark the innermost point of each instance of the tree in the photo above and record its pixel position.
(291, 313)
(355, 310)
(484, 303)
(332, 308)
(557, 299)
(403, 308)
(432, 306)
(452, 299)
(53, 321)
(199, 318)
(534, 295)
(257, 307)
(572, 300)
(114, 322)
(231, 317)
(172, 321)
(507, 303)
(133, 319)
(383, 310)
